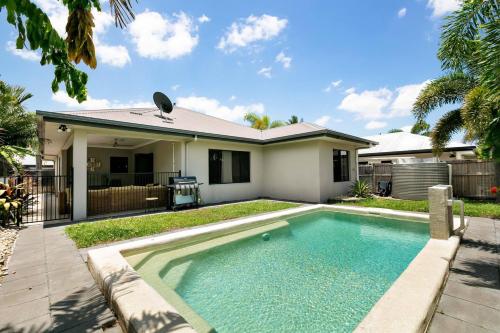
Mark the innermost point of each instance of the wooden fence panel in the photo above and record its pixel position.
(470, 179)
(473, 179)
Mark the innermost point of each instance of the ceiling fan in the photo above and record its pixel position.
(116, 143)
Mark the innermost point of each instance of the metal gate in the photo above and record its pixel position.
(50, 197)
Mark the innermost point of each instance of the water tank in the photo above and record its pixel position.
(411, 181)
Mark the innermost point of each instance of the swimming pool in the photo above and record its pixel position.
(318, 272)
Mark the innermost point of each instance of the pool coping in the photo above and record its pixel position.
(406, 307)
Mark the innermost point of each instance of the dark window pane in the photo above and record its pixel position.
(241, 166)
(118, 164)
(228, 166)
(340, 165)
(215, 166)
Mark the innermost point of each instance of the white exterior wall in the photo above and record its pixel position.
(328, 188)
(291, 171)
(197, 165)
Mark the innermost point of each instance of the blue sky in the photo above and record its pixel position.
(353, 66)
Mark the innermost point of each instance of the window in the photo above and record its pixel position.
(118, 164)
(225, 166)
(340, 165)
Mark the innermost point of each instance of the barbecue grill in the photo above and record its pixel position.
(183, 192)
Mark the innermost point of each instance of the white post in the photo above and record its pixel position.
(79, 175)
(440, 213)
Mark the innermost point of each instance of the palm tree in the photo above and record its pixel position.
(17, 126)
(470, 52)
(422, 128)
(294, 120)
(395, 130)
(262, 122)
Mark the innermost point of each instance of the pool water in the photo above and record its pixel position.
(323, 273)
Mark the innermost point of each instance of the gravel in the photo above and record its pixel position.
(7, 238)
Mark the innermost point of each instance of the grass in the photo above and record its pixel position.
(472, 208)
(90, 234)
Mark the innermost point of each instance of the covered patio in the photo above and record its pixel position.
(112, 171)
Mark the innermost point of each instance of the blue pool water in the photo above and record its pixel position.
(322, 274)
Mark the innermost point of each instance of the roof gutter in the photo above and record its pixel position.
(105, 123)
(416, 151)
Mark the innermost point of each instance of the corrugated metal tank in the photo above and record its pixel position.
(411, 181)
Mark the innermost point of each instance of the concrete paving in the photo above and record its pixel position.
(49, 288)
(471, 297)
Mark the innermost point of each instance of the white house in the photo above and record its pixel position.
(404, 147)
(304, 162)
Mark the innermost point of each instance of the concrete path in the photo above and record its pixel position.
(471, 297)
(49, 288)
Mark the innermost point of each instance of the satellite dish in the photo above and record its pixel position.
(163, 103)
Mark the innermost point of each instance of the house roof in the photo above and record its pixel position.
(189, 123)
(404, 142)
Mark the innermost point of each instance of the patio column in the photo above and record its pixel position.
(79, 175)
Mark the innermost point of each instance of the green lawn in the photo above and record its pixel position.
(90, 234)
(472, 208)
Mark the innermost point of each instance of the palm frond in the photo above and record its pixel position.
(277, 123)
(461, 30)
(447, 89)
(122, 11)
(449, 124)
(476, 113)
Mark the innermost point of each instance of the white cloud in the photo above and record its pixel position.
(96, 103)
(116, 56)
(406, 96)
(322, 121)
(232, 98)
(175, 87)
(23, 53)
(214, 108)
(374, 124)
(350, 90)
(157, 37)
(266, 72)
(332, 85)
(402, 12)
(251, 30)
(407, 128)
(113, 55)
(443, 7)
(284, 60)
(204, 19)
(368, 104)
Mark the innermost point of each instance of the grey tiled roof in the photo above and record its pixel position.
(192, 123)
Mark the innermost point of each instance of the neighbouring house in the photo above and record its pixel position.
(404, 147)
(113, 155)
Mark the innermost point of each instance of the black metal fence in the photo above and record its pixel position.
(113, 193)
(50, 197)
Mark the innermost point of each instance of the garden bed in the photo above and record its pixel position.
(8, 237)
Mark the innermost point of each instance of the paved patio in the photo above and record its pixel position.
(49, 288)
(471, 297)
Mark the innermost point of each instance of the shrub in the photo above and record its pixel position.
(360, 189)
(11, 203)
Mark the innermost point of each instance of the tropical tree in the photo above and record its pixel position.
(36, 32)
(395, 130)
(470, 53)
(294, 120)
(18, 134)
(262, 122)
(421, 127)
